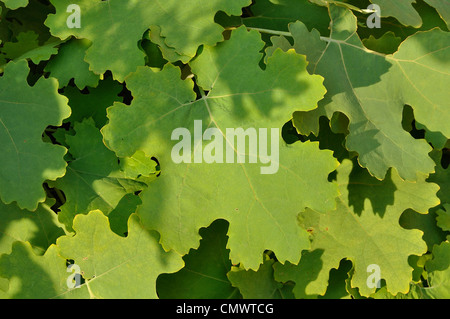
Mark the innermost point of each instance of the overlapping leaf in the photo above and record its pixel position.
(372, 88)
(184, 24)
(404, 11)
(277, 14)
(93, 101)
(113, 266)
(69, 64)
(443, 219)
(25, 19)
(204, 275)
(27, 47)
(261, 208)
(439, 274)
(175, 207)
(94, 179)
(14, 4)
(40, 228)
(442, 8)
(259, 284)
(364, 229)
(22, 266)
(441, 177)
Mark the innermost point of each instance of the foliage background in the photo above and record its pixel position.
(85, 175)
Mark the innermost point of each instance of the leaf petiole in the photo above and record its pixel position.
(284, 33)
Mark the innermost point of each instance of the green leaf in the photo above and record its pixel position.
(338, 282)
(40, 228)
(402, 10)
(27, 47)
(436, 139)
(443, 218)
(439, 273)
(92, 102)
(276, 15)
(442, 8)
(372, 88)
(204, 275)
(259, 284)
(343, 4)
(432, 233)
(304, 274)
(239, 192)
(364, 229)
(114, 266)
(169, 53)
(181, 26)
(25, 112)
(35, 277)
(15, 4)
(25, 19)
(69, 64)
(180, 201)
(422, 53)
(405, 12)
(224, 149)
(441, 177)
(94, 179)
(138, 165)
(269, 100)
(387, 44)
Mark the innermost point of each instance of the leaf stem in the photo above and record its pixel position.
(60, 196)
(274, 32)
(202, 92)
(283, 33)
(326, 39)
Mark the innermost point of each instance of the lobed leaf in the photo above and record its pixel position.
(25, 112)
